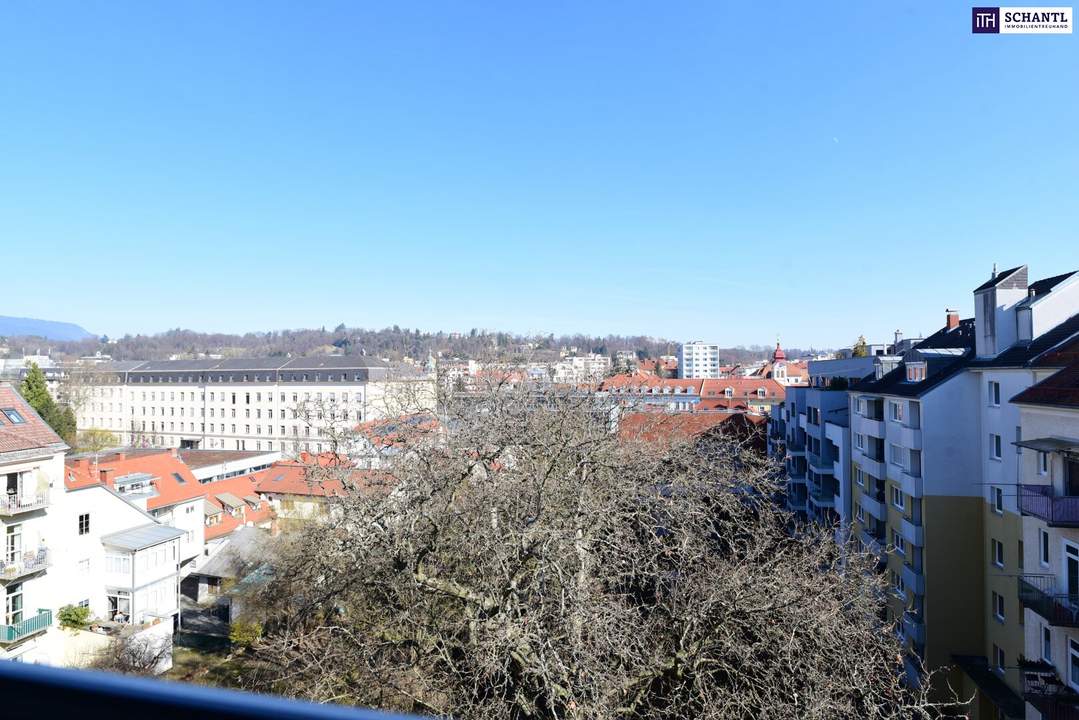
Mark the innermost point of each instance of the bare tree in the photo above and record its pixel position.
(529, 562)
(133, 654)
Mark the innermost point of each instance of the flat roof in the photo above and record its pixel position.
(196, 459)
(142, 537)
(1049, 444)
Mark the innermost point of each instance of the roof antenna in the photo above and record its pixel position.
(994, 270)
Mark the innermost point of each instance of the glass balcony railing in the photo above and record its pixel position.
(21, 565)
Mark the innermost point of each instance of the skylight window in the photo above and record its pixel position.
(14, 416)
(179, 478)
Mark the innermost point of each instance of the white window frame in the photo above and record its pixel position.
(897, 498)
(1043, 548)
(1043, 463)
(1047, 644)
(996, 445)
(996, 550)
(994, 393)
(898, 543)
(998, 606)
(998, 499)
(859, 441)
(998, 660)
(1073, 660)
(895, 411)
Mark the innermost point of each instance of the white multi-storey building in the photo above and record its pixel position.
(69, 545)
(698, 360)
(260, 404)
(576, 369)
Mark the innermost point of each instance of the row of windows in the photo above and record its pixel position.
(252, 377)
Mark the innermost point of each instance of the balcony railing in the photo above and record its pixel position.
(1040, 594)
(1043, 689)
(39, 691)
(30, 626)
(1043, 502)
(12, 504)
(25, 564)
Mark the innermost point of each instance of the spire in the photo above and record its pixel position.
(778, 354)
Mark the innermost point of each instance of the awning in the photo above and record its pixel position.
(1049, 444)
(991, 685)
(229, 500)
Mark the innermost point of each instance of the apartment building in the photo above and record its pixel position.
(577, 369)
(1019, 327)
(1048, 498)
(257, 404)
(915, 461)
(70, 545)
(698, 360)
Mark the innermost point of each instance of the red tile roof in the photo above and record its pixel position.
(644, 383)
(243, 487)
(660, 427)
(33, 434)
(291, 477)
(1060, 389)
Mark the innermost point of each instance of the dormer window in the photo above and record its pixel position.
(728, 392)
(760, 392)
(915, 372)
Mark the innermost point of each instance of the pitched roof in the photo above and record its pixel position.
(999, 278)
(645, 383)
(32, 433)
(945, 353)
(171, 478)
(742, 387)
(662, 427)
(1058, 390)
(1050, 349)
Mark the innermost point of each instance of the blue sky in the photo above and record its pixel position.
(675, 169)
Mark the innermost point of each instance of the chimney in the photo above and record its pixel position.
(898, 339)
(951, 319)
(105, 479)
(120, 457)
(174, 452)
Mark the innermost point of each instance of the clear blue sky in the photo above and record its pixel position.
(687, 170)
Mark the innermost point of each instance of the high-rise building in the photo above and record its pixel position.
(698, 360)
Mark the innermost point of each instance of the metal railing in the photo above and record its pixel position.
(10, 504)
(1043, 689)
(1040, 594)
(32, 692)
(1042, 501)
(24, 564)
(30, 626)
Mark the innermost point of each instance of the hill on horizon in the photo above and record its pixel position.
(48, 329)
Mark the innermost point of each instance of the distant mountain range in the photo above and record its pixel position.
(48, 329)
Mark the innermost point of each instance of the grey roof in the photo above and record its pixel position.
(210, 509)
(142, 537)
(243, 553)
(1049, 444)
(227, 498)
(315, 362)
(1011, 275)
(945, 353)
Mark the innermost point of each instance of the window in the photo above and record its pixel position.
(859, 441)
(899, 543)
(84, 524)
(897, 498)
(998, 606)
(896, 410)
(998, 500)
(859, 477)
(118, 564)
(860, 513)
(994, 446)
(1043, 547)
(1043, 463)
(1073, 663)
(13, 605)
(896, 454)
(998, 660)
(13, 416)
(1047, 644)
(994, 394)
(898, 584)
(179, 478)
(997, 550)
(915, 372)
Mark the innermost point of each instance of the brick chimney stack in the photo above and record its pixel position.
(174, 452)
(952, 319)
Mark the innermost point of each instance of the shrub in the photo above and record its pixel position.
(74, 617)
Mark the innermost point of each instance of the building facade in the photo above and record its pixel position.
(698, 360)
(261, 404)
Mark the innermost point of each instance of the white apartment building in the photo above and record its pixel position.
(72, 546)
(578, 369)
(259, 404)
(698, 360)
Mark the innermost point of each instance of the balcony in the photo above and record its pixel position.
(819, 466)
(1042, 501)
(1043, 689)
(26, 564)
(869, 464)
(31, 626)
(796, 449)
(874, 427)
(796, 503)
(912, 532)
(909, 437)
(822, 495)
(872, 544)
(914, 628)
(1041, 594)
(873, 505)
(913, 579)
(13, 504)
(911, 484)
